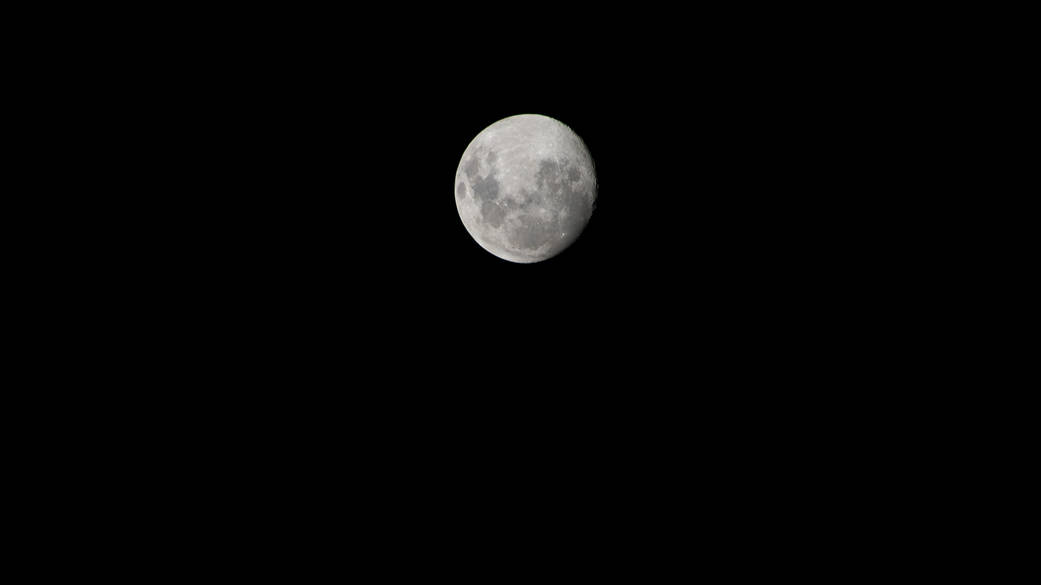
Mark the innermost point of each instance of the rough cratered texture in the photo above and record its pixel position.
(525, 188)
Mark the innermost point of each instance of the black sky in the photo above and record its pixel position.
(310, 190)
(304, 308)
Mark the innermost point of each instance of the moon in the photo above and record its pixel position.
(525, 188)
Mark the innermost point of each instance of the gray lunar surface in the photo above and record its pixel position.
(525, 188)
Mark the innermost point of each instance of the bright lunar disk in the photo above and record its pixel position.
(525, 188)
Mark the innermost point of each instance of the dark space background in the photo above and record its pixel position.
(313, 316)
(312, 169)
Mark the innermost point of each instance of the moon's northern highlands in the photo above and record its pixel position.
(525, 188)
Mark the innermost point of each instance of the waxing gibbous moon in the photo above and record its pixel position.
(525, 188)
